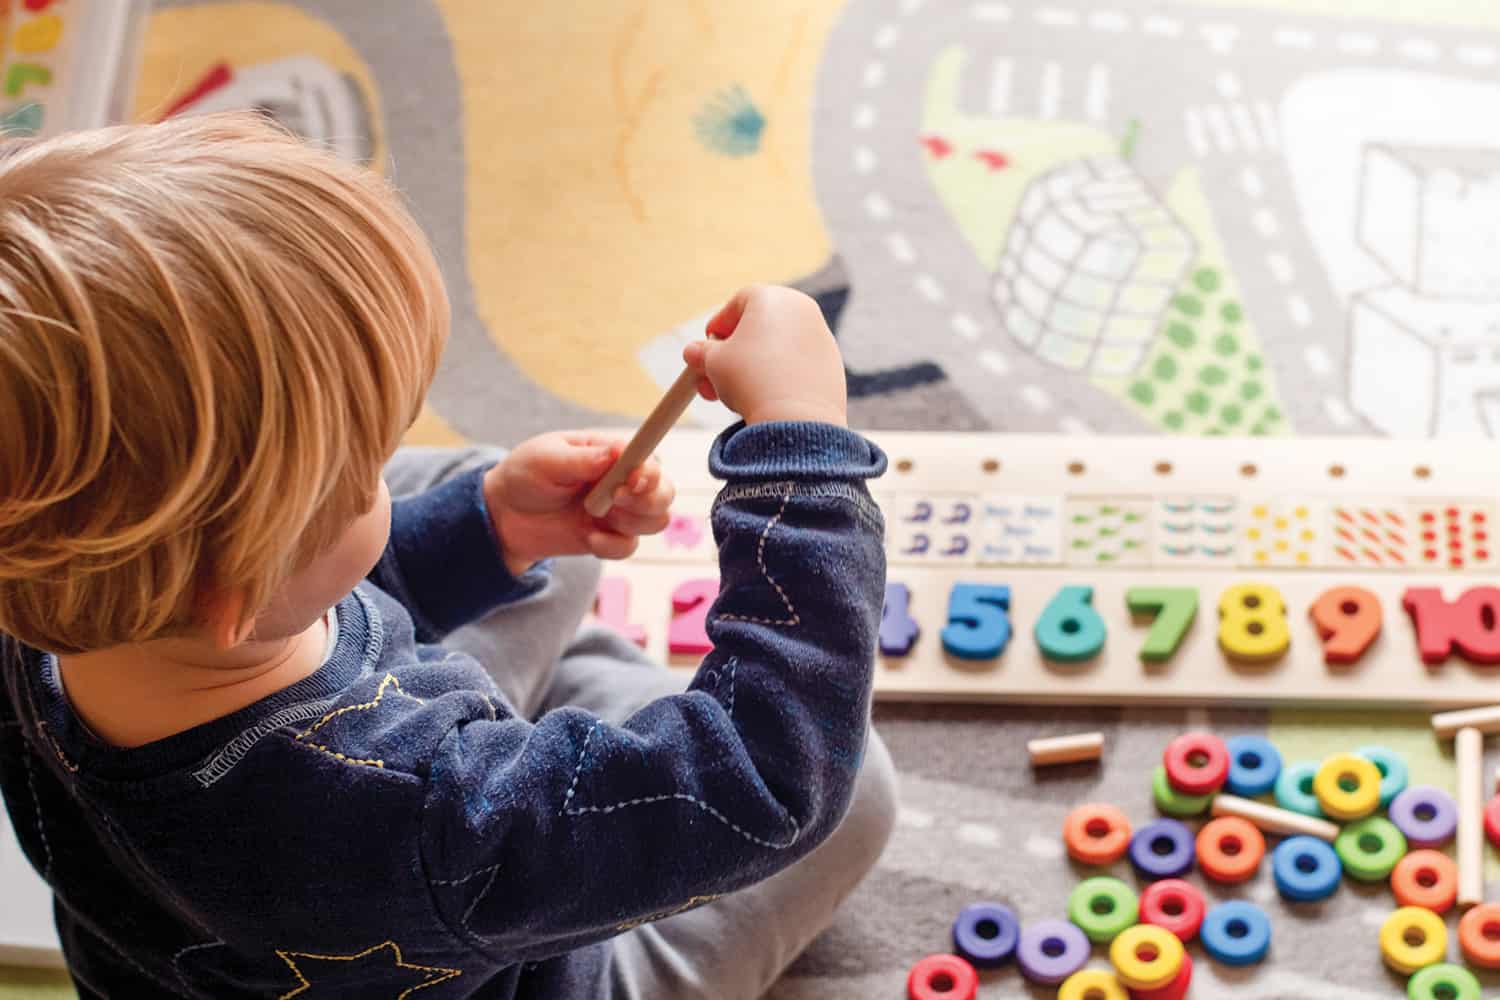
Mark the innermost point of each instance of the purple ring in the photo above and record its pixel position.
(1051, 951)
(983, 949)
(1437, 828)
(1175, 856)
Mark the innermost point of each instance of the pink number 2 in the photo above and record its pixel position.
(690, 604)
(612, 606)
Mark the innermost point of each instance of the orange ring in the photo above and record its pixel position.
(1481, 948)
(1425, 878)
(1230, 849)
(1096, 834)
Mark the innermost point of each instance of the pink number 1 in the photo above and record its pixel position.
(612, 605)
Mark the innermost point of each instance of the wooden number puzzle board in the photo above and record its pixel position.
(1040, 513)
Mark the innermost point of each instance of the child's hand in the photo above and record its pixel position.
(536, 495)
(774, 359)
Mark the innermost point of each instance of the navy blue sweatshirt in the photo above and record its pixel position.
(389, 826)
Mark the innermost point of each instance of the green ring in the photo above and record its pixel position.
(1363, 864)
(1423, 985)
(1101, 928)
(1172, 802)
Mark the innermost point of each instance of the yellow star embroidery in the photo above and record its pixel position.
(381, 965)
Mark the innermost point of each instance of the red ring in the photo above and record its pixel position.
(1196, 779)
(1492, 821)
(1090, 848)
(1190, 907)
(1409, 891)
(1221, 864)
(960, 973)
(1175, 990)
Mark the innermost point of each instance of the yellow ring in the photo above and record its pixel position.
(1405, 957)
(1339, 802)
(1141, 973)
(1090, 984)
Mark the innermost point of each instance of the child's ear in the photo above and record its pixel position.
(224, 619)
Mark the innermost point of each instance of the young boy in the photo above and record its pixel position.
(249, 731)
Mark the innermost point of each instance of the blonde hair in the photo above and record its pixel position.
(211, 337)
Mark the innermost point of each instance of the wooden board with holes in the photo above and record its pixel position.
(1242, 527)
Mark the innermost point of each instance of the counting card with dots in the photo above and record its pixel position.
(1254, 567)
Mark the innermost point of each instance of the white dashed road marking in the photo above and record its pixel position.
(900, 248)
(998, 12)
(1037, 398)
(1051, 90)
(1300, 310)
(965, 326)
(995, 362)
(1294, 38)
(1000, 86)
(1251, 182)
(1318, 360)
(930, 289)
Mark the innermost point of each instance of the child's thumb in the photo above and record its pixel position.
(573, 464)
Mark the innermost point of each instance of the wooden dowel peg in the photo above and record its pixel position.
(1065, 749)
(1468, 748)
(1447, 724)
(653, 429)
(1273, 820)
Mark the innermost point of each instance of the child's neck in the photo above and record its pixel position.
(133, 695)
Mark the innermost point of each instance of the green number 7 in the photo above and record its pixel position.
(1171, 609)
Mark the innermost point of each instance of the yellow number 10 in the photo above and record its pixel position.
(1252, 623)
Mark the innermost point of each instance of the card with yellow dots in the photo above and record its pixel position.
(1285, 533)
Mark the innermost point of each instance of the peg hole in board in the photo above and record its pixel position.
(904, 465)
(990, 465)
(1076, 468)
(1422, 472)
(1248, 470)
(1336, 471)
(1163, 468)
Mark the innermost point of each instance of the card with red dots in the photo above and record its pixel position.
(1454, 535)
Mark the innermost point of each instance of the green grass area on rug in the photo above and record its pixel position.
(35, 984)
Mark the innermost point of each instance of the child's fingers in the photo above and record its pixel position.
(724, 321)
(611, 545)
(562, 462)
(626, 522)
(645, 477)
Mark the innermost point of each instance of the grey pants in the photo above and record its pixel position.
(541, 657)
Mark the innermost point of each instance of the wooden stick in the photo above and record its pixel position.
(660, 420)
(1065, 749)
(1447, 724)
(1468, 747)
(1273, 820)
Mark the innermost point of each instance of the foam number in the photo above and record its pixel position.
(1171, 610)
(1470, 624)
(1252, 623)
(1069, 629)
(40, 34)
(1348, 620)
(22, 74)
(898, 630)
(612, 606)
(978, 621)
(37, 6)
(690, 603)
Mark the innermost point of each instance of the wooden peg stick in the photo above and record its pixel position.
(660, 420)
(1486, 720)
(1273, 820)
(1065, 749)
(1468, 747)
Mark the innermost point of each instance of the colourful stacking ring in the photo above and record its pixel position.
(1146, 957)
(1092, 984)
(1347, 787)
(1479, 935)
(1370, 848)
(1305, 869)
(1051, 951)
(1428, 879)
(1392, 768)
(1096, 834)
(1172, 802)
(1492, 821)
(1102, 907)
(1236, 933)
(1175, 905)
(1175, 990)
(1426, 816)
(1294, 789)
(985, 934)
(1163, 848)
(1196, 763)
(1413, 938)
(1230, 849)
(1254, 764)
(942, 977)
(1443, 982)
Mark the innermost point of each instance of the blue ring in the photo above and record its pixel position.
(1176, 861)
(1254, 765)
(976, 948)
(1246, 949)
(1304, 886)
(1393, 773)
(1289, 793)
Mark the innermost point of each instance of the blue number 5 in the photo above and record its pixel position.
(978, 621)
